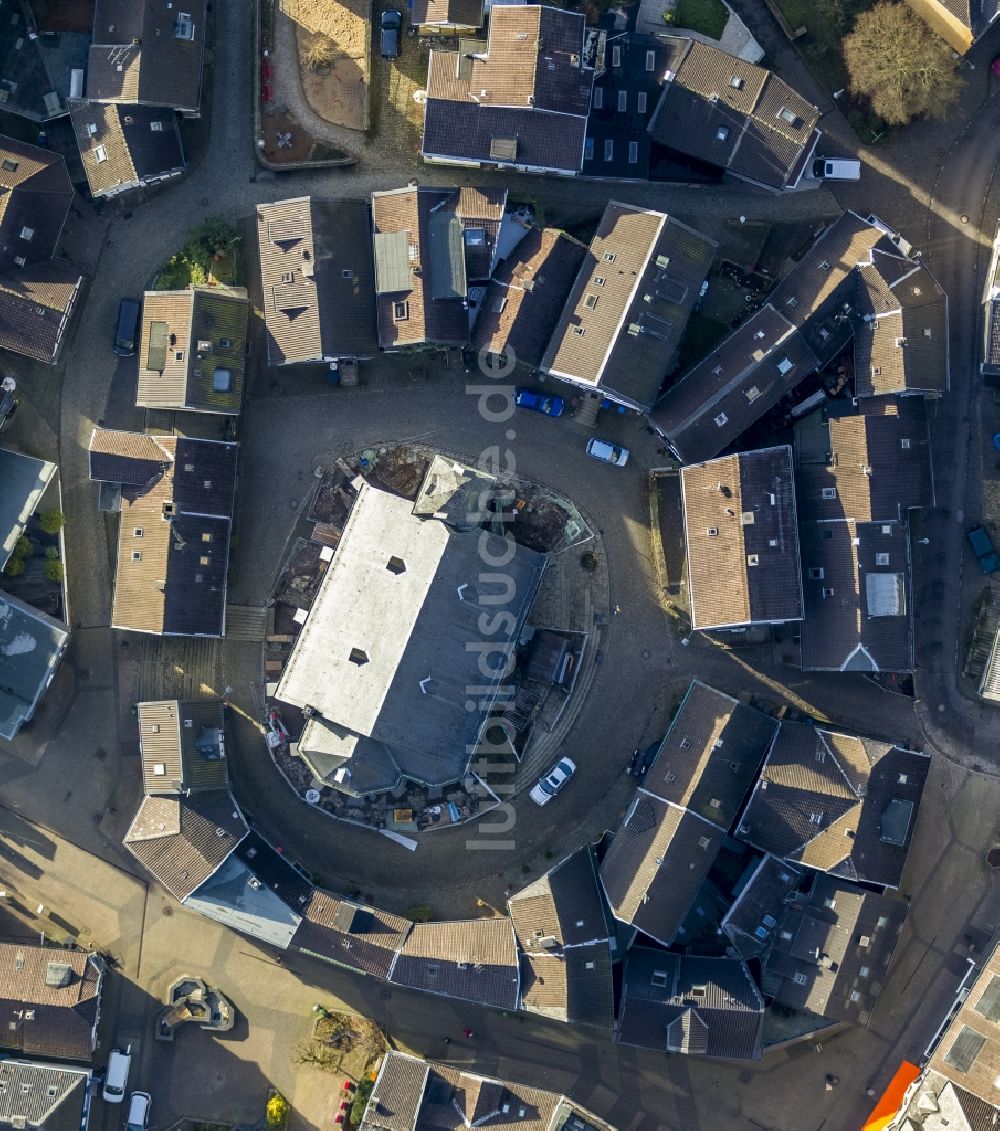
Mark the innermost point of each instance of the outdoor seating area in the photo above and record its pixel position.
(190, 999)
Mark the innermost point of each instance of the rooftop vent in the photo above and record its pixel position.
(358, 656)
(395, 565)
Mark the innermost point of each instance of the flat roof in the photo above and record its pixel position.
(31, 643)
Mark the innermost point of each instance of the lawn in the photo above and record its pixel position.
(820, 47)
(707, 16)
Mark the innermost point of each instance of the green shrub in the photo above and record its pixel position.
(361, 1096)
(52, 553)
(52, 521)
(14, 567)
(420, 913)
(22, 547)
(54, 571)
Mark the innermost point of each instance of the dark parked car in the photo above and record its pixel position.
(550, 405)
(127, 328)
(985, 551)
(391, 24)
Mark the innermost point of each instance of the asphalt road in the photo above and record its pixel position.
(922, 182)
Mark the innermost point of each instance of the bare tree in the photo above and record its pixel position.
(900, 65)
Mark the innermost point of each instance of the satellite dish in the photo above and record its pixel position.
(420, 97)
(8, 384)
(312, 796)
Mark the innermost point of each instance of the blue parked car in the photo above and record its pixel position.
(551, 405)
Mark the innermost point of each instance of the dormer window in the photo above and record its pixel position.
(100, 154)
(183, 26)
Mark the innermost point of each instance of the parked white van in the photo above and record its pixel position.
(116, 1077)
(836, 169)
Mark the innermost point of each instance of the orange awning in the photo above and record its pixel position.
(892, 1097)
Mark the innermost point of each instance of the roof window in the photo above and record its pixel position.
(816, 573)
(347, 273)
(650, 60)
(713, 532)
(721, 420)
(829, 492)
(286, 276)
(137, 532)
(599, 280)
(640, 102)
(137, 555)
(736, 82)
(622, 101)
(827, 592)
(609, 149)
(789, 117)
(183, 26)
(9, 166)
(722, 133)
(27, 233)
(590, 301)
(159, 769)
(609, 257)
(598, 99)
(882, 559)
(156, 127)
(633, 152)
(579, 331)
(100, 154)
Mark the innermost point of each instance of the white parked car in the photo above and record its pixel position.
(549, 785)
(138, 1112)
(608, 452)
(116, 1075)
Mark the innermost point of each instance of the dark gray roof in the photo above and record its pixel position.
(575, 984)
(410, 314)
(457, 13)
(561, 923)
(43, 1096)
(183, 745)
(526, 295)
(901, 345)
(702, 1006)
(991, 356)
(49, 1000)
(23, 481)
(472, 959)
(630, 304)
(236, 897)
(564, 907)
(412, 1095)
(742, 543)
(732, 113)
(406, 687)
(123, 146)
(25, 672)
(822, 800)
(521, 101)
(36, 197)
(808, 315)
(751, 922)
(317, 279)
(397, 1095)
(143, 51)
(832, 950)
(710, 755)
(349, 934)
(858, 600)
(741, 379)
(876, 460)
(183, 840)
(657, 861)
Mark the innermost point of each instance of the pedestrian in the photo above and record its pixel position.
(447, 1040)
(467, 1033)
